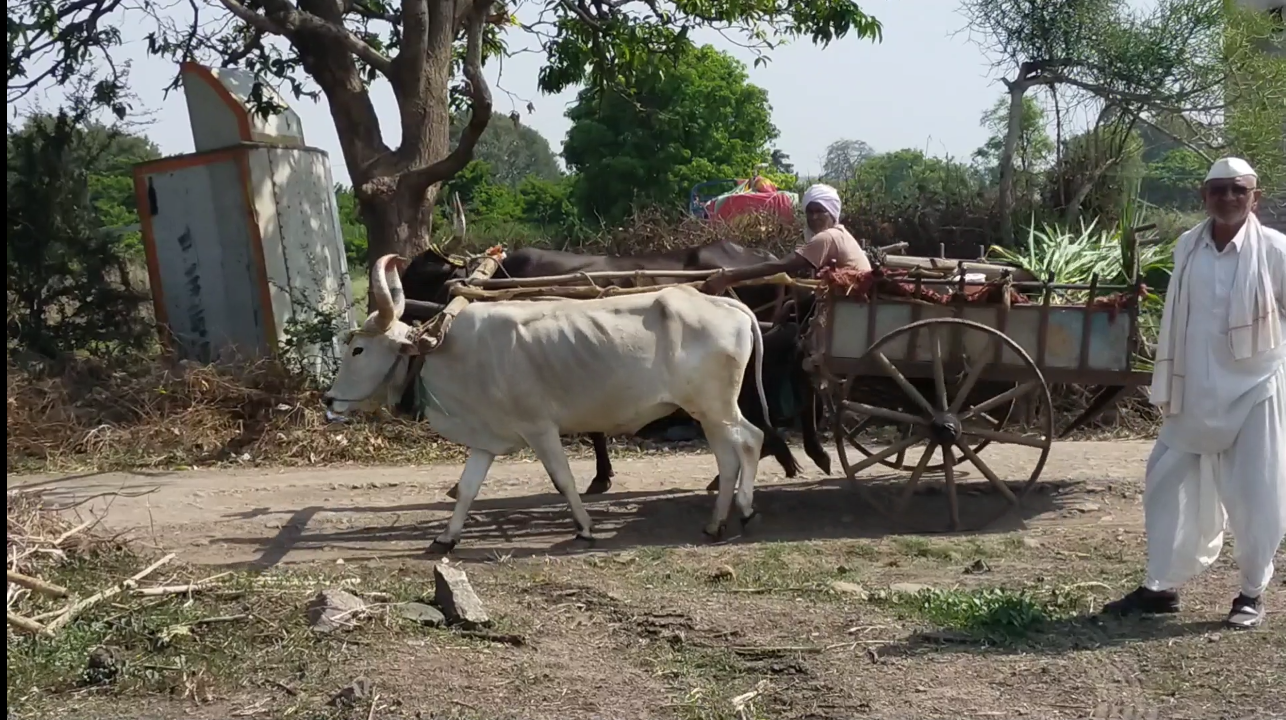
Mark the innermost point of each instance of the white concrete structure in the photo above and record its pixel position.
(244, 234)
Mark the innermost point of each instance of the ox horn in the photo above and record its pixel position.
(458, 225)
(386, 290)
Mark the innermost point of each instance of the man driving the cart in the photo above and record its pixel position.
(826, 243)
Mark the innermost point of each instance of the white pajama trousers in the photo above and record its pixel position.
(1188, 497)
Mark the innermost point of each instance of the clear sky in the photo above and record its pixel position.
(924, 86)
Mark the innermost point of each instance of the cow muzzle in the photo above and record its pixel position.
(331, 415)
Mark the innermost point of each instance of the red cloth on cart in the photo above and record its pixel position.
(731, 206)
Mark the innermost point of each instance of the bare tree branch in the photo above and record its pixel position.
(283, 19)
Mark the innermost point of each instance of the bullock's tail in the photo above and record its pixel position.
(759, 351)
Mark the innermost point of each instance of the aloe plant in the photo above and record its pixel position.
(1074, 258)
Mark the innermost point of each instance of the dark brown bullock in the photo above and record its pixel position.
(425, 283)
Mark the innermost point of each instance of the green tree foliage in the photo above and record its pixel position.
(689, 117)
(513, 151)
(1098, 174)
(843, 158)
(780, 162)
(423, 49)
(908, 196)
(351, 227)
(70, 283)
(1167, 64)
(1033, 153)
(1172, 180)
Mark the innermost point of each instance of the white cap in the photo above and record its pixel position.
(1230, 167)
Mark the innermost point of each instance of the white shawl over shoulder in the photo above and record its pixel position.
(1253, 324)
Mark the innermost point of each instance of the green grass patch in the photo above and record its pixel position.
(991, 614)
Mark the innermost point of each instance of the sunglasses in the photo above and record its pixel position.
(1235, 190)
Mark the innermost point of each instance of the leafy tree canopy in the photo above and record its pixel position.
(68, 281)
(1035, 148)
(513, 151)
(689, 117)
(431, 52)
(843, 158)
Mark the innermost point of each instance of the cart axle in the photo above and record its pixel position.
(945, 429)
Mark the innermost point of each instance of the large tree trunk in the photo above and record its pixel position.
(1005, 202)
(398, 223)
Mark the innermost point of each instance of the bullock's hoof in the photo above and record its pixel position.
(747, 519)
(454, 492)
(715, 533)
(599, 486)
(440, 547)
(584, 538)
(823, 462)
(713, 487)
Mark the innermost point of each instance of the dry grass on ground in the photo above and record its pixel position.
(773, 631)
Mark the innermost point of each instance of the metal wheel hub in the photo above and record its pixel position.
(945, 429)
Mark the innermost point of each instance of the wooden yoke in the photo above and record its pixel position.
(429, 336)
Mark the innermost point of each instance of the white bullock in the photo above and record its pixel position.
(519, 374)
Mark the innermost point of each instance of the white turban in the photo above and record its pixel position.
(823, 195)
(1229, 168)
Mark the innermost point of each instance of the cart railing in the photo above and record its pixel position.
(1093, 341)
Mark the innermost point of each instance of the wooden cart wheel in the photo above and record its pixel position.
(898, 461)
(946, 423)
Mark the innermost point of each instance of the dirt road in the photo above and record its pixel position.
(265, 517)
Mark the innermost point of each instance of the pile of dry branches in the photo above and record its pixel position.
(42, 537)
(151, 413)
(651, 231)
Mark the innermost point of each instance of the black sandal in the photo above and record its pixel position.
(1143, 601)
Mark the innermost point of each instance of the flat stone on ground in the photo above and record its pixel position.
(332, 610)
(426, 615)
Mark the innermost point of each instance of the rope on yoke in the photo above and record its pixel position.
(430, 335)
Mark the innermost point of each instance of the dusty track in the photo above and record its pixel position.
(646, 631)
(266, 517)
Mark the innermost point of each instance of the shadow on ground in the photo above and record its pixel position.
(541, 524)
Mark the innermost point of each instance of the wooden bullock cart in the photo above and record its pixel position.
(952, 364)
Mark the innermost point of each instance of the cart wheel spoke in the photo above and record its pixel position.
(939, 373)
(894, 449)
(961, 435)
(902, 382)
(883, 413)
(851, 435)
(1004, 397)
(987, 472)
(975, 374)
(953, 500)
(908, 492)
(1008, 438)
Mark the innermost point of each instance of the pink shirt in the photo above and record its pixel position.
(835, 246)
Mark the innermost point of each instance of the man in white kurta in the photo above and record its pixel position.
(1220, 381)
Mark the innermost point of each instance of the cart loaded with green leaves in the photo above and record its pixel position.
(947, 358)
